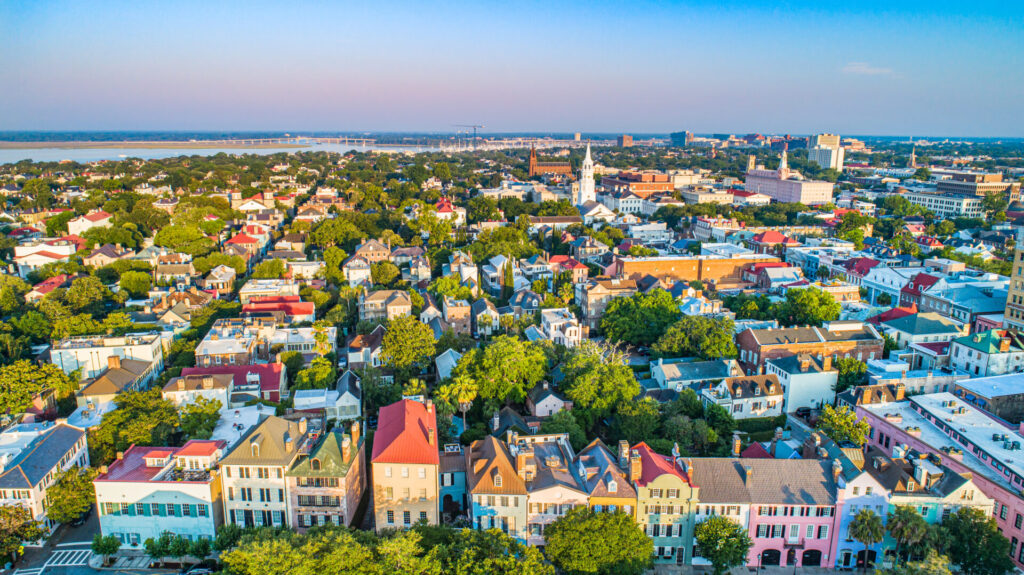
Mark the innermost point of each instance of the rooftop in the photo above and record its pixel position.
(997, 386)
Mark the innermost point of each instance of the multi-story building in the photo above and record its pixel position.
(666, 501)
(267, 288)
(496, 488)
(32, 457)
(553, 487)
(641, 184)
(560, 326)
(91, 353)
(806, 381)
(947, 206)
(373, 251)
(384, 304)
(606, 483)
(1001, 395)
(968, 441)
(792, 503)
(185, 389)
(922, 328)
(253, 473)
(1013, 315)
(720, 270)
(650, 233)
(827, 157)
(594, 295)
(980, 185)
(405, 465)
(234, 342)
(786, 185)
(326, 485)
(148, 491)
(457, 314)
(837, 339)
(747, 396)
(993, 352)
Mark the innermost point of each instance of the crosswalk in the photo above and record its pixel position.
(61, 558)
(72, 558)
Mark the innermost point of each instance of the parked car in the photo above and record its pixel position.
(81, 519)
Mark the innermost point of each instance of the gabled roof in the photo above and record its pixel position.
(919, 283)
(269, 373)
(601, 471)
(243, 239)
(115, 380)
(403, 434)
(894, 313)
(929, 323)
(772, 481)
(272, 436)
(328, 452)
(654, 465)
(860, 266)
(39, 457)
(487, 459)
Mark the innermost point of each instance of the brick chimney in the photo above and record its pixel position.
(114, 362)
(431, 436)
(826, 363)
(302, 426)
(737, 444)
(837, 470)
(1004, 345)
(748, 475)
(623, 454)
(354, 431)
(635, 466)
(346, 448)
(805, 363)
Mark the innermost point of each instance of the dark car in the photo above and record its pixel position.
(81, 519)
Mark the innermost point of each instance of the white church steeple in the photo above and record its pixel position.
(586, 191)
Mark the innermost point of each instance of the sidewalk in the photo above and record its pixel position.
(707, 570)
(125, 559)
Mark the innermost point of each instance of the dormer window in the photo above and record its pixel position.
(497, 480)
(314, 464)
(255, 448)
(613, 486)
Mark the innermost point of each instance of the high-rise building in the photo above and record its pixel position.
(827, 157)
(586, 191)
(625, 141)
(785, 185)
(1013, 317)
(823, 140)
(576, 136)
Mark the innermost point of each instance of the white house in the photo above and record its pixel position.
(561, 326)
(82, 224)
(806, 381)
(747, 396)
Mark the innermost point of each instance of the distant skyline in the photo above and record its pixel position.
(923, 69)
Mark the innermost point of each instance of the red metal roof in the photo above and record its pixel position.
(654, 465)
(894, 313)
(243, 239)
(97, 216)
(919, 282)
(402, 434)
(773, 237)
(269, 373)
(756, 451)
(291, 308)
(861, 266)
(200, 448)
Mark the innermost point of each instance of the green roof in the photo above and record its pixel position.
(924, 324)
(988, 341)
(328, 453)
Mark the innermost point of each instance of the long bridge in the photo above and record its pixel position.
(289, 140)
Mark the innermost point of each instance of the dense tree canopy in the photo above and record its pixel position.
(584, 542)
(640, 319)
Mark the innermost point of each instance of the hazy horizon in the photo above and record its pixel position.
(925, 69)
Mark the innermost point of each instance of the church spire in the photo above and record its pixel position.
(784, 162)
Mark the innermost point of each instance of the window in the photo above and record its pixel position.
(407, 517)
(423, 515)
(810, 531)
(391, 516)
(856, 490)
(140, 509)
(1002, 513)
(655, 493)
(387, 472)
(497, 480)
(405, 472)
(762, 531)
(389, 493)
(202, 509)
(422, 472)
(1017, 521)
(822, 532)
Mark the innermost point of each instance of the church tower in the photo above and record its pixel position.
(533, 161)
(586, 191)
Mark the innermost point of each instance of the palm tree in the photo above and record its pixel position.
(907, 527)
(867, 529)
(462, 391)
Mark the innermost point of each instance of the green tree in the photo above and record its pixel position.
(504, 370)
(722, 542)
(978, 548)
(199, 418)
(71, 495)
(565, 422)
(907, 527)
(87, 294)
(105, 546)
(23, 380)
(852, 372)
(640, 319)
(442, 172)
(16, 526)
(932, 564)
(460, 393)
(136, 283)
(269, 269)
(319, 375)
(638, 420)
(188, 238)
(141, 418)
(698, 336)
(842, 425)
(57, 225)
(867, 529)
(491, 552)
(597, 379)
(385, 273)
(584, 541)
(407, 346)
(807, 307)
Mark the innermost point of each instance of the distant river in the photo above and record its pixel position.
(11, 155)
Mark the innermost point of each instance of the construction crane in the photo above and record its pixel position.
(474, 126)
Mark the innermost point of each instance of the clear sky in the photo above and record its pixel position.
(899, 67)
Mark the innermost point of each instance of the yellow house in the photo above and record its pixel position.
(606, 483)
(405, 465)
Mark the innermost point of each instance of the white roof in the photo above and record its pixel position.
(996, 386)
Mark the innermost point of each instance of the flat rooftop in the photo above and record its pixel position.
(996, 386)
(973, 425)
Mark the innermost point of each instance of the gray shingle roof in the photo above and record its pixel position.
(772, 481)
(39, 457)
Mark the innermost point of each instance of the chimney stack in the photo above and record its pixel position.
(207, 382)
(302, 426)
(624, 453)
(837, 470)
(736, 444)
(114, 362)
(430, 406)
(635, 467)
(495, 422)
(354, 431)
(748, 474)
(826, 363)
(431, 436)
(346, 448)
(120, 455)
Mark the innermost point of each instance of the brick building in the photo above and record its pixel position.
(715, 269)
(834, 339)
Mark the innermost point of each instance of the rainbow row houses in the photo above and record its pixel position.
(796, 506)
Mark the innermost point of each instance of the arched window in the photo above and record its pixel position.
(497, 480)
(314, 464)
(255, 449)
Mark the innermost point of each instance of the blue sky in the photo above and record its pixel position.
(901, 68)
